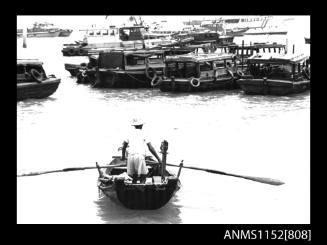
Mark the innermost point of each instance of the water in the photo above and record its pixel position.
(260, 136)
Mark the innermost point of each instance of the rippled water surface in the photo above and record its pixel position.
(224, 130)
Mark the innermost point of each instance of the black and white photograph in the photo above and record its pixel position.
(163, 119)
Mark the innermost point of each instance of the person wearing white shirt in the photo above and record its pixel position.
(136, 152)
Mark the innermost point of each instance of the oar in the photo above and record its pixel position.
(257, 179)
(69, 169)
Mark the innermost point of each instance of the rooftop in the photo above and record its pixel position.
(277, 58)
(200, 57)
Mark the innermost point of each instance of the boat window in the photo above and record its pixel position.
(205, 66)
(98, 33)
(155, 59)
(105, 32)
(180, 69)
(134, 60)
(91, 33)
(219, 64)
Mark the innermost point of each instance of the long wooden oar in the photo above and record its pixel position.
(257, 179)
(69, 169)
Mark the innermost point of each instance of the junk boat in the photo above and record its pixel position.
(198, 72)
(132, 37)
(159, 187)
(128, 69)
(86, 73)
(276, 74)
(32, 81)
(44, 30)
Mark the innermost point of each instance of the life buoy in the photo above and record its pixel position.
(240, 73)
(80, 52)
(150, 69)
(71, 52)
(36, 75)
(154, 79)
(197, 84)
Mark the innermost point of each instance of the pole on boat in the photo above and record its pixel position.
(242, 53)
(163, 148)
(293, 48)
(24, 37)
(180, 168)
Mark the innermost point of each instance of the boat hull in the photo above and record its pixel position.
(33, 90)
(147, 196)
(65, 33)
(272, 86)
(40, 34)
(73, 69)
(184, 85)
(123, 79)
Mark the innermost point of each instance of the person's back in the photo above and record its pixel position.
(136, 143)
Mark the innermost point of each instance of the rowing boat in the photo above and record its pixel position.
(159, 187)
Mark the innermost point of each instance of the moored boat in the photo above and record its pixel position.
(87, 74)
(276, 74)
(32, 81)
(44, 30)
(198, 72)
(159, 187)
(128, 69)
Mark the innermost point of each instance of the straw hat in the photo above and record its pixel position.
(137, 121)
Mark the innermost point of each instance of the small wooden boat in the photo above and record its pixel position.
(32, 81)
(276, 74)
(159, 187)
(198, 72)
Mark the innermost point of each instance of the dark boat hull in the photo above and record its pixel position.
(184, 85)
(273, 87)
(33, 90)
(145, 197)
(123, 79)
(73, 69)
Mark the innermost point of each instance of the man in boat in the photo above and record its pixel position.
(136, 143)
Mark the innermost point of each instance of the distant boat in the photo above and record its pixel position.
(44, 30)
(32, 81)
(307, 40)
(128, 69)
(102, 39)
(276, 74)
(198, 73)
(265, 31)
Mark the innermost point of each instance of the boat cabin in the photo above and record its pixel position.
(25, 69)
(136, 59)
(278, 66)
(249, 50)
(199, 65)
